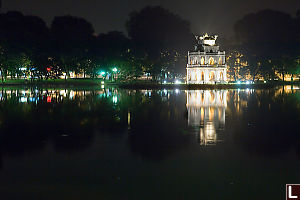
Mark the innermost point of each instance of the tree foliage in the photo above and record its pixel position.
(270, 41)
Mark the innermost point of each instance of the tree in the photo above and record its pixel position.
(266, 26)
(26, 33)
(73, 38)
(113, 48)
(69, 28)
(161, 35)
(267, 38)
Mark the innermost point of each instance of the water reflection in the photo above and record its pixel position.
(155, 120)
(67, 119)
(127, 141)
(206, 110)
(158, 124)
(53, 95)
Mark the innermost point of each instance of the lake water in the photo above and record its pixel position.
(148, 144)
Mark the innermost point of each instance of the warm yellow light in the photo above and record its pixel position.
(209, 42)
(211, 61)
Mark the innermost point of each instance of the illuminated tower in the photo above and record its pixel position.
(206, 64)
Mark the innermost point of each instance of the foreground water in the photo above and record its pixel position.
(149, 144)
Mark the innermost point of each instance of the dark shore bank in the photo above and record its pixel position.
(77, 83)
(205, 86)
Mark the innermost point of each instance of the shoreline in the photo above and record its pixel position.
(206, 86)
(78, 83)
(197, 86)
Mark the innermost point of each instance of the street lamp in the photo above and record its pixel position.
(102, 73)
(115, 70)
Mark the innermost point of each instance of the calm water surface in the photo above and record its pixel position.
(148, 144)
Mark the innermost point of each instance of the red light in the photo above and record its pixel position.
(49, 99)
(48, 69)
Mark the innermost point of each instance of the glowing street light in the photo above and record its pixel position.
(177, 82)
(115, 69)
(115, 99)
(102, 73)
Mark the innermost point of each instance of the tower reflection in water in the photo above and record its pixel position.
(206, 111)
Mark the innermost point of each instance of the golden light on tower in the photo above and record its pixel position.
(205, 59)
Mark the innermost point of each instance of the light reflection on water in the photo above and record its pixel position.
(127, 141)
(53, 95)
(206, 110)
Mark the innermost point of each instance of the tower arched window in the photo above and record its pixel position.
(221, 76)
(211, 61)
(212, 76)
(202, 61)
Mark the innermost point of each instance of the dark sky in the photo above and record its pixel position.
(212, 16)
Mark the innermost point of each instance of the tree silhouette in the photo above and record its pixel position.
(267, 38)
(161, 34)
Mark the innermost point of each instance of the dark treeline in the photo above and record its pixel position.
(266, 46)
(158, 41)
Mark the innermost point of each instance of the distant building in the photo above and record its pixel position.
(206, 64)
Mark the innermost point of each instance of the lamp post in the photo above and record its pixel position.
(115, 70)
(102, 73)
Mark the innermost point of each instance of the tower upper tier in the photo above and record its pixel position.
(207, 43)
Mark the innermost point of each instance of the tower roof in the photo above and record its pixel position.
(209, 40)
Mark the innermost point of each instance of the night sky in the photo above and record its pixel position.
(212, 16)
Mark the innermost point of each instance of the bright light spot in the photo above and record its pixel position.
(209, 42)
(102, 82)
(165, 92)
(23, 68)
(115, 99)
(102, 86)
(239, 82)
(177, 81)
(72, 94)
(63, 93)
(32, 99)
(177, 91)
(115, 69)
(165, 82)
(265, 81)
(247, 82)
(23, 99)
(102, 73)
